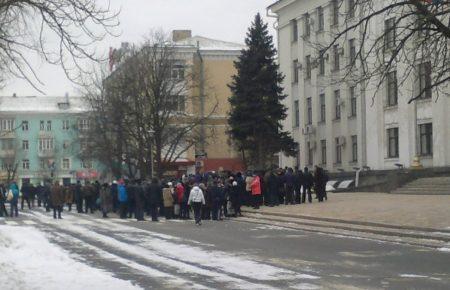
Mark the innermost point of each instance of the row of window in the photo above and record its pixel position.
(339, 143)
(322, 104)
(44, 144)
(425, 140)
(335, 5)
(9, 125)
(65, 164)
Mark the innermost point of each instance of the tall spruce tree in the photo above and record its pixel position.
(256, 108)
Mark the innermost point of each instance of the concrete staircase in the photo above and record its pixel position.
(430, 185)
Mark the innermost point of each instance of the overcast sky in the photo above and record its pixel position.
(220, 19)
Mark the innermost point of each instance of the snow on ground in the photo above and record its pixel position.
(29, 261)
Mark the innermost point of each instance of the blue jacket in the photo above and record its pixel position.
(123, 196)
(15, 190)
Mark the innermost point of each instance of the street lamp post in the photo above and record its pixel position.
(151, 134)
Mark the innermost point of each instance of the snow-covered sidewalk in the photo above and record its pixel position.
(29, 261)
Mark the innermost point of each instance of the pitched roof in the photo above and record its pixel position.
(44, 104)
(209, 44)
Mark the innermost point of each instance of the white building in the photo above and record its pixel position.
(336, 123)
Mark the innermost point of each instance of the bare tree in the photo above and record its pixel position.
(145, 108)
(415, 34)
(31, 25)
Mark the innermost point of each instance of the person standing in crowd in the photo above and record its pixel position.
(115, 195)
(168, 200)
(3, 193)
(25, 195)
(206, 208)
(185, 214)
(46, 196)
(235, 199)
(79, 197)
(131, 186)
(32, 195)
(88, 195)
(123, 199)
(139, 199)
(272, 188)
(289, 187)
(15, 199)
(154, 197)
(217, 195)
(298, 182)
(105, 200)
(57, 199)
(320, 181)
(69, 192)
(307, 184)
(179, 194)
(197, 200)
(248, 188)
(40, 193)
(256, 191)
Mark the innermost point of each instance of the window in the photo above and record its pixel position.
(42, 125)
(25, 126)
(323, 150)
(83, 145)
(308, 67)
(65, 125)
(45, 144)
(335, 12)
(41, 164)
(336, 65)
(392, 136)
(178, 72)
(294, 30)
(337, 104)
(426, 139)
(322, 108)
(25, 145)
(7, 125)
(351, 8)
(86, 164)
(389, 33)
(296, 114)
(320, 19)
(338, 151)
(425, 80)
(49, 126)
(321, 63)
(354, 148)
(309, 111)
(7, 144)
(310, 153)
(307, 28)
(392, 90)
(83, 124)
(176, 104)
(352, 51)
(66, 163)
(66, 144)
(352, 101)
(25, 164)
(295, 71)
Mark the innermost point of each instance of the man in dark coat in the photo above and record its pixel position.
(289, 187)
(308, 181)
(57, 199)
(26, 195)
(79, 197)
(139, 198)
(154, 198)
(298, 182)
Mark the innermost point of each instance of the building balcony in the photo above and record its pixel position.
(11, 153)
(46, 153)
(7, 135)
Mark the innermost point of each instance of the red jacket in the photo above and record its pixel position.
(256, 186)
(180, 192)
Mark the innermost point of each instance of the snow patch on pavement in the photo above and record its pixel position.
(412, 276)
(29, 261)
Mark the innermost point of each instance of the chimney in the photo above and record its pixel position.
(179, 35)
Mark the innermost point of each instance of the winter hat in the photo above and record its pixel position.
(235, 183)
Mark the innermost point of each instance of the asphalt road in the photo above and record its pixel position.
(238, 255)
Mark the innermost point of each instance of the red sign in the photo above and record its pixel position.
(87, 174)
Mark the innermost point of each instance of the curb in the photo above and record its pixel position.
(360, 223)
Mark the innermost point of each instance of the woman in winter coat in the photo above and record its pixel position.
(15, 200)
(256, 191)
(168, 200)
(106, 200)
(196, 200)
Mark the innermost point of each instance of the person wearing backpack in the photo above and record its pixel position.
(14, 190)
(3, 201)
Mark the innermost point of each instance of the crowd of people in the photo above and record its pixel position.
(210, 196)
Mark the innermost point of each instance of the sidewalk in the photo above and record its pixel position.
(431, 212)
